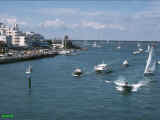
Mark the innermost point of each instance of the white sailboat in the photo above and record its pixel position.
(95, 45)
(138, 45)
(118, 47)
(148, 48)
(29, 70)
(151, 62)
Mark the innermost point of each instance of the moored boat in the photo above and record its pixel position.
(77, 72)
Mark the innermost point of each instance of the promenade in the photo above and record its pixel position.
(24, 57)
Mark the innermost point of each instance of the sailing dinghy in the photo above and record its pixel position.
(151, 62)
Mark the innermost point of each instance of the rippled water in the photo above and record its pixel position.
(57, 95)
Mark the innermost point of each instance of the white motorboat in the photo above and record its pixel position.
(158, 62)
(77, 72)
(140, 49)
(102, 68)
(151, 62)
(127, 87)
(125, 63)
(2, 55)
(136, 52)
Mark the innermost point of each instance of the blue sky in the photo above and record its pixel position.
(107, 20)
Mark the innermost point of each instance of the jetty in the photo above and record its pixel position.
(24, 57)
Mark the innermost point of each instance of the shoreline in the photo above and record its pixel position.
(21, 58)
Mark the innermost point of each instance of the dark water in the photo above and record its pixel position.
(57, 95)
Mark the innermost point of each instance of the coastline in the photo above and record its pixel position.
(25, 57)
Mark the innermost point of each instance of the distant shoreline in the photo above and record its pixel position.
(121, 40)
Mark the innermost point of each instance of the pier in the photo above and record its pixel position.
(24, 57)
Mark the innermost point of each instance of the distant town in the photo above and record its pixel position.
(16, 45)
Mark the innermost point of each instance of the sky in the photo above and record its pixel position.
(86, 20)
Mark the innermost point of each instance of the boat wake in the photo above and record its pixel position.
(135, 87)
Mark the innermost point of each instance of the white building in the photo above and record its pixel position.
(3, 38)
(19, 41)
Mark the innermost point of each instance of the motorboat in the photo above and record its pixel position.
(102, 68)
(77, 72)
(136, 52)
(125, 63)
(140, 49)
(127, 87)
(158, 62)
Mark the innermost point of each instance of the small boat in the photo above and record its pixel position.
(138, 45)
(102, 68)
(29, 70)
(127, 87)
(136, 52)
(2, 55)
(148, 48)
(64, 52)
(140, 49)
(118, 47)
(125, 63)
(95, 45)
(77, 72)
(151, 63)
(158, 62)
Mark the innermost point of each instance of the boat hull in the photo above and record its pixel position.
(148, 74)
(77, 74)
(127, 88)
(103, 71)
(125, 65)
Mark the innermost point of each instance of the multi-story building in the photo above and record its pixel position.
(12, 35)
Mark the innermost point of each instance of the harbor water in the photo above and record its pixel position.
(57, 95)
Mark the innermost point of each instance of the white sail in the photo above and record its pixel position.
(148, 48)
(29, 69)
(151, 62)
(138, 45)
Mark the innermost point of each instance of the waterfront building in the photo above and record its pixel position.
(3, 38)
(18, 41)
(3, 47)
(12, 35)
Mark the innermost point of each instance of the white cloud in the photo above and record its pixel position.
(96, 25)
(57, 11)
(12, 20)
(53, 23)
